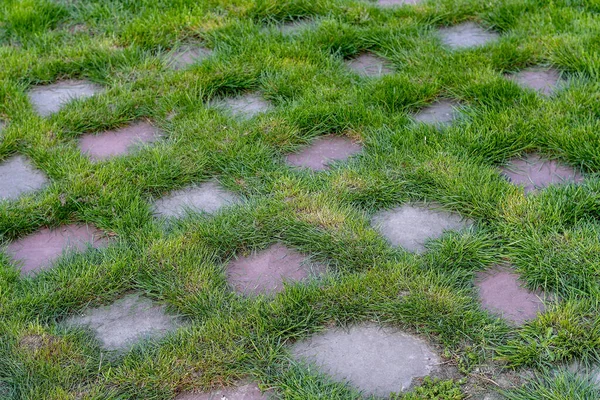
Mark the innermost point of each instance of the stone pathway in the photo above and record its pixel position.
(40, 249)
(375, 360)
(18, 176)
(534, 172)
(322, 151)
(49, 99)
(266, 271)
(411, 226)
(118, 142)
(209, 197)
(125, 322)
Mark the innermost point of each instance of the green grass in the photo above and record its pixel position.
(552, 238)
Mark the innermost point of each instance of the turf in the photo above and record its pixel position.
(126, 47)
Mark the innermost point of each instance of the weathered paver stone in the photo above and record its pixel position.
(468, 34)
(411, 226)
(39, 250)
(395, 3)
(246, 105)
(501, 293)
(249, 391)
(442, 112)
(18, 176)
(185, 56)
(266, 271)
(49, 99)
(534, 172)
(117, 142)
(126, 321)
(369, 65)
(208, 197)
(376, 360)
(297, 26)
(322, 151)
(542, 80)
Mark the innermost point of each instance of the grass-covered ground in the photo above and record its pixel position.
(552, 238)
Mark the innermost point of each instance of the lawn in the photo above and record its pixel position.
(299, 199)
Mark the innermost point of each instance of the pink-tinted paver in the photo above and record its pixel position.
(248, 391)
(49, 99)
(117, 142)
(323, 151)
(468, 34)
(442, 112)
(394, 3)
(39, 250)
(18, 176)
(534, 172)
(246, 105)
(266, 271)
(501, 293)
(369, 65)
(542, 80)
(187, 55)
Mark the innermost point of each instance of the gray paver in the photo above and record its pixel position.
(187, 55)
(542, 80)
(411, 226)
(249, 391)
(442, 112)
(18, 176)
(324, 150)
(208, 197)
(465, 35)
(246, 105)
(49, 99)
(369, 65)
(376, 360)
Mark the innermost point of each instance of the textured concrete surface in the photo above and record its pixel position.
(442, 112)
(468, 34)
(542, 80)
(373, 359)
(534, 172)
(501, 293)
(246, 105)
(18, 176)
(411, 226)
(322, 151)
(265, 272)
(40, 249)
(49, 99)
(117, 142)
(248, 391)
(393, 3)
(370, 65)
(128, 320)
(208, 197)
(187, 55)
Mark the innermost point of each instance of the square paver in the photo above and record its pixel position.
(441, 112)
(323, 151)
(18, 176)
(40, 249)
(125, 322)
(411, 226)
(185, 56)
(246, 105)
(209, 197)
(375, 360)
(465, 35)
(542, 80)
(534, 172)
(501, 293)
(369, 65)
(118, 142)
(396, 3)
(248, 391)
(49, 99)
(266, 271)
